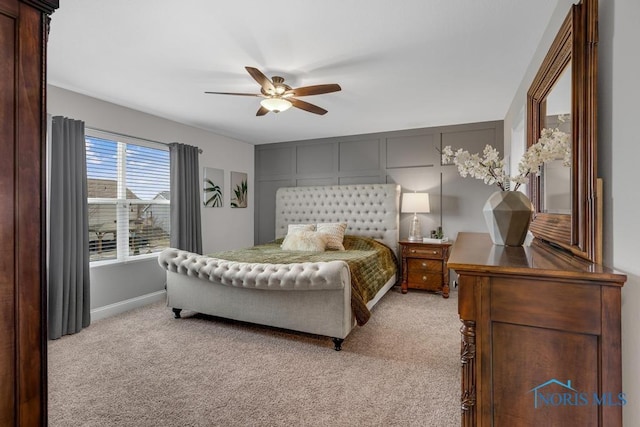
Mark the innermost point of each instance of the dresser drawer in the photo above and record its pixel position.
(423, 252)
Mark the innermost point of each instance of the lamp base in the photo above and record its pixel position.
(415, 235)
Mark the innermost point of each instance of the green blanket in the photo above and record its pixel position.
(370, 262)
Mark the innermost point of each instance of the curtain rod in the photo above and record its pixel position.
(131, 136)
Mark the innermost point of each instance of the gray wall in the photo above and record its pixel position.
(410, 158)
(618, 154)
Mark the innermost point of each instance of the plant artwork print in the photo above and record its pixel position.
(212, 187)
(239, 190)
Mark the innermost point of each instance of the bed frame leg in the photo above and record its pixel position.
(337, 343)
(176, 312)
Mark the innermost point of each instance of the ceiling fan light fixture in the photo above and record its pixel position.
(276, 105)
(278, 96)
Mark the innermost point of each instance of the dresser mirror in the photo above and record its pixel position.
(563, 95)
(555, 177)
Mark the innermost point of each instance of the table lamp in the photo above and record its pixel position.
(416, 203)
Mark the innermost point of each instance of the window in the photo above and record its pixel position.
(128, 196)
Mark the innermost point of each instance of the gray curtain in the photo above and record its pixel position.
(186, 233)
(68, 307)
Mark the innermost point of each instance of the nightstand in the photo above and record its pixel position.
(424, 266)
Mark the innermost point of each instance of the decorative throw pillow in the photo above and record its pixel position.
(305, 240)
(335, 232)
(292, 228)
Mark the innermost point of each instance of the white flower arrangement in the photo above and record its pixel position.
(552, 145)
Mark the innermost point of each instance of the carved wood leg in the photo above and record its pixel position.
(176, 312)
(468, 362)
(337, 343)
(445, 290)
(404, 286)
(445, 283)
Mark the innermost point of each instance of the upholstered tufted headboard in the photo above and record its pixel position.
(369, 210)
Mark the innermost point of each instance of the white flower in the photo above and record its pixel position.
(553, 144)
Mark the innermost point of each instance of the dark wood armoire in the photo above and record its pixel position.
(23, 365)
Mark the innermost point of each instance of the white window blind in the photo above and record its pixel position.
(128, 196)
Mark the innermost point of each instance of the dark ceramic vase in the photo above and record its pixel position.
(508, 215)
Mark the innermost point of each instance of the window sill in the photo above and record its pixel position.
(139, 258)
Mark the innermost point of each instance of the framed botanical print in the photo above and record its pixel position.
(239, 190)
(212, 184)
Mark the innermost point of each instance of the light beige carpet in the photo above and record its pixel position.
(145, 368)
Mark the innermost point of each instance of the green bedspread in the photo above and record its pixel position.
(370, 262)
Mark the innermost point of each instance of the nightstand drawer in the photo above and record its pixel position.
(424, 266)
(422, 252)
(423, 280)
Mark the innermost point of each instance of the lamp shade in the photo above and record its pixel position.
(276, 104)
(415, 202)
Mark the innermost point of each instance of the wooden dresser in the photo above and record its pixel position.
(424, 266)
(540, 336)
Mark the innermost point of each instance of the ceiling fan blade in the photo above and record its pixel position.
(313, 90)
(233, 93)
(306, 106)
(265, 83)
(262, 111)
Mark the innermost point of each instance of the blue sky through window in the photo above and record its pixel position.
(102, 158)
(147, 168)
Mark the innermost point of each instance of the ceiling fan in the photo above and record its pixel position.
(279, 96)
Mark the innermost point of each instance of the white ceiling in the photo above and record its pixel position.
(401, 64)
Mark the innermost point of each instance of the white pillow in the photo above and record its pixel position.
(335, 232)
(305, 240)
(293, 228)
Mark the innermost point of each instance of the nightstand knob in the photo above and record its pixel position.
(413, 251)
(424, 278)
(434, 252)
(424, 264)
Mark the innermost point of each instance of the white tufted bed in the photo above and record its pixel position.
(308, 297)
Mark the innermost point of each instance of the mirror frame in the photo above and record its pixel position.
(576, 41)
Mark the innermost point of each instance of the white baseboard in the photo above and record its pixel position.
(126, 305)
